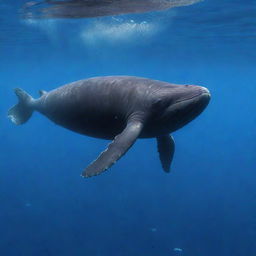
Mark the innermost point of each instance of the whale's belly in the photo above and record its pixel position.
(105, 127)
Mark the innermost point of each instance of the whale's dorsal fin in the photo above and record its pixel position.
(166, 148)
(116, 149)
(42, 92)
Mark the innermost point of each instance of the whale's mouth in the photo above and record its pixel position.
(189, 107)
(195, 101)
(204, 92)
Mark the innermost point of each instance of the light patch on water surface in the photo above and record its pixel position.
(101, 30)
(44, 24)
(48, 27)
(118, 31)
(108, 31)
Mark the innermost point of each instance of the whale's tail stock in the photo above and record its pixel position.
(20, 113)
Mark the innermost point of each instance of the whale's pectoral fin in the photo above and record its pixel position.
(115, 150)
(166, 148)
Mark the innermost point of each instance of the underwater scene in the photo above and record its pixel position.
(150, 147)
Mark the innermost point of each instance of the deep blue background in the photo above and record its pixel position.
(206, 206)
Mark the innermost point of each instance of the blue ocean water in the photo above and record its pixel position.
(205, 207)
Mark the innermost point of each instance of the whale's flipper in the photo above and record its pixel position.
(115, 150)
(166, 148)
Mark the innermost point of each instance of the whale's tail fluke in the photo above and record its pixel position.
(20, 113)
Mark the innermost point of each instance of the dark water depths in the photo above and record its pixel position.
(206, 206)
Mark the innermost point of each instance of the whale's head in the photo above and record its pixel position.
(181, 104)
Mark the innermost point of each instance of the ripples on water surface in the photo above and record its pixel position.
(96, 8)
(206, 25)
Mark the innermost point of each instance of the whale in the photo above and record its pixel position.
(117, 108)
(96, 8)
